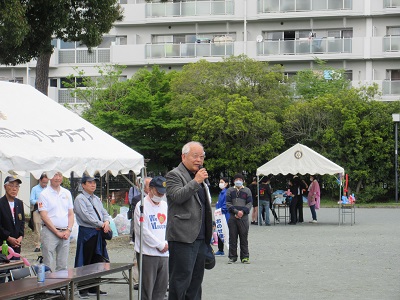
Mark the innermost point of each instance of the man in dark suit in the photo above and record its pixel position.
(189, 224)
(12, 217)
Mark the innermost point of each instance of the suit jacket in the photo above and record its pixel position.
(184, 207)
(7, 226)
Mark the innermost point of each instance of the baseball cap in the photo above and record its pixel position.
(86, 178)
(160, 183)
(238, 175)
(12, 178)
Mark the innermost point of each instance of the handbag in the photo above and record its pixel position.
(105, 235)
(210, 258)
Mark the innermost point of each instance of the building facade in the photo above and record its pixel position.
(360, 36)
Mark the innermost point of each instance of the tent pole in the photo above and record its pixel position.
(108, 191)
(258, 201)
(144, 175)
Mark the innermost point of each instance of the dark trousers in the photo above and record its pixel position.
(300, 208)
(238, 228)
(220, 245)
(186, 269)
(293, 210)
(90, 257)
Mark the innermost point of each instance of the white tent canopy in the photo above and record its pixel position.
(39, 135)
(300, 160)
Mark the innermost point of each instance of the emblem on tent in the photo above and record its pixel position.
(298, 154)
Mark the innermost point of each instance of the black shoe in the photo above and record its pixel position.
(253, 222)
(36, 250)
(94, 293)
(136, 287)
(83, 295)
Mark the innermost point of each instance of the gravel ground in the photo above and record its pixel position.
(306, 261)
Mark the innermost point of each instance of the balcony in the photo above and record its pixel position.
(305, 46)
(391, 4)
(83, 56)
(189, 50)
(391, 87)
(189, 9)
(282, 6)
(391, 43)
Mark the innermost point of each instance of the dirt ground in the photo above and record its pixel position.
(306, 261)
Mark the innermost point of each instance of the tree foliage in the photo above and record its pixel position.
(345, 125)
(232, 107)
(37, 22)
(244, 113)
(134, 112)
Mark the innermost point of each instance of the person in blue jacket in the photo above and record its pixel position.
(223, 185)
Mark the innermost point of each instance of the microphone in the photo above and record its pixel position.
(205, 180)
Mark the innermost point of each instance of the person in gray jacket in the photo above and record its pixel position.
(239, 201)
(189, 224)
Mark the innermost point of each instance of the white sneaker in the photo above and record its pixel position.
(131, 243)
(313, 221)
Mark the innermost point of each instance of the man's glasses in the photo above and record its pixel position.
(13, 186)
(197, 156)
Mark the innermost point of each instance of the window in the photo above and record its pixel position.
(393, 31)
(53, 82)
(67, 45)
(394, 75)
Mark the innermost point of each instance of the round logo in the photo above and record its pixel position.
(298, 154)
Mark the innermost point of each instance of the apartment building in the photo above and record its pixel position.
(360, 36)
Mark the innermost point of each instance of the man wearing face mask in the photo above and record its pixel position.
(155, 247)
(239, 202)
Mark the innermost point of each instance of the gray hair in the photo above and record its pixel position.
(186, 147)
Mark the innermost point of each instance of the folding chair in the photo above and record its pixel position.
(17, 274)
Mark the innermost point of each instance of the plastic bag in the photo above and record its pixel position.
(122, 223)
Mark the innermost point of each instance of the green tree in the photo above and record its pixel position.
(134, 112)
(233, 107)
(37, 22)
(346, 126)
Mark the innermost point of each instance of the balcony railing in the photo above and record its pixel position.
(391, 43)
(391, 87)
(66, 96)
(282, 6)
(190, 8)
(391, 3)
(189, 50)
(82, 56)
(306, 46)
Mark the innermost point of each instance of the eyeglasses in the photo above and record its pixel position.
(197, 156)
(12, 186)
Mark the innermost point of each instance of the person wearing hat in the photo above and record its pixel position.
(189, 228)
(154, 247)
(57, 213)
(35, 215)
(12, 217)
(239, 201)
(92, 219)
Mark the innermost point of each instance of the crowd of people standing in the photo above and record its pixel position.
(171, 229)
